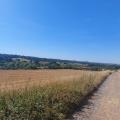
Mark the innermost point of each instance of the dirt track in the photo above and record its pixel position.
(105, 103)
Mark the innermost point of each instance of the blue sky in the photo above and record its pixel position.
(86, 30)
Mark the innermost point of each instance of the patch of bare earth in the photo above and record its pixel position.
(105, 103)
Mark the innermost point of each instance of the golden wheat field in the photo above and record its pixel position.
(19, 79)
(44, 94)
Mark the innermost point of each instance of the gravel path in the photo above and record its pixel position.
(105, 103)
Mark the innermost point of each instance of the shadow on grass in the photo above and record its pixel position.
(86, 100)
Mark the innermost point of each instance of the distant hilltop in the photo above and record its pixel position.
(8, 61)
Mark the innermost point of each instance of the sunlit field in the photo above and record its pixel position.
(44, 94)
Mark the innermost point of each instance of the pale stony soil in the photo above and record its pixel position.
(105, 103)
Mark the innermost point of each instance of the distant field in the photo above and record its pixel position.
(18, 79)
(52, 94)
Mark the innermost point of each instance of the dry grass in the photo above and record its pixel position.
(52, 94)
(19, 79)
